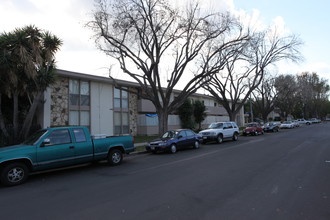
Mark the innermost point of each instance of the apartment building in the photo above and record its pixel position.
(106, 107)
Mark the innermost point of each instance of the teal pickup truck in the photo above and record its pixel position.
(58, 147)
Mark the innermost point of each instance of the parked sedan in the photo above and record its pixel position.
(253, 128)
(271, 127)
(315, 120)
(287, 124)
(174, 140)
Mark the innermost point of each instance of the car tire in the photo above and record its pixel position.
(173, 149)
(196, 145)
(14, 174)
(115, 157)
(235, 137)
(219, 139)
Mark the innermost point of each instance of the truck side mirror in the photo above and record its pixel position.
(45, 142)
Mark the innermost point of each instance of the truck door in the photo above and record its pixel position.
(57, 150)
(83, 148)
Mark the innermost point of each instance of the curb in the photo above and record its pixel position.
(139, 152)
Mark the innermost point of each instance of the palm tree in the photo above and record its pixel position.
(45, 77)
(26, 64)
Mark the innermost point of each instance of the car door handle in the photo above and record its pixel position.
(71, 147)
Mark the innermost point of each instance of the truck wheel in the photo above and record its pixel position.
(14, 174)
(115, 157)
(219, 139)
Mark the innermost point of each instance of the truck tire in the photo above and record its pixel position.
(14, 174)
(115, 157)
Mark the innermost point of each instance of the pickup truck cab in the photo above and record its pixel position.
(59, 147)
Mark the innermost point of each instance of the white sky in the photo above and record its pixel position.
(66, 19)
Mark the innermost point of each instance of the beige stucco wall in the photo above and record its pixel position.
(101, 108)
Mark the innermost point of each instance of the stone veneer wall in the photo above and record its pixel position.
(133, 113)
(59, 115)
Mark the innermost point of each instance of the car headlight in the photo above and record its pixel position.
(162, 144)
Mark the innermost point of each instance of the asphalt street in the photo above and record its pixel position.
(284, 175)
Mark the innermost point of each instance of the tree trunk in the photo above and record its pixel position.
(2, 121)
(29, 117)
(15, 115)
(232, 116)
(162, 120)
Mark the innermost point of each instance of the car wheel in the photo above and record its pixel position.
(14, 174)
(115, 157)
(235, 137)
(173, 149)
(196, 144)
(219, 139)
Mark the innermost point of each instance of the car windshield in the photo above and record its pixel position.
(216, 125)
(287, 122)
(251, 125)
(170, 134)
(35, 137)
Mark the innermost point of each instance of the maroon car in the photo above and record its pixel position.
(253, 128)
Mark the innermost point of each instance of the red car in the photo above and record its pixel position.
(253, 128)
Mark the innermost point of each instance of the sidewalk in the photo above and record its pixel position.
(139, 145)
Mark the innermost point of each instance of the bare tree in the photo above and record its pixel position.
(265, 97)
(287, 94)
(312, 91)
(151, 39)
(246, 70)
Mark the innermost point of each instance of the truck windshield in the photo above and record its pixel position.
(34, 138)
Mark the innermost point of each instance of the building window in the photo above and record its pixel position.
(121, 121)
(79, 93)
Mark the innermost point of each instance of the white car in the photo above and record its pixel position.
(218, 131)
(296, 123)
(287, 124)
(315, 120)
(303, 121)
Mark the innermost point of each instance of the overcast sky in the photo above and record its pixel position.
(66, 18)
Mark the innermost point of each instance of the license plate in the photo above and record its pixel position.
(152, 148)
(204, 137)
